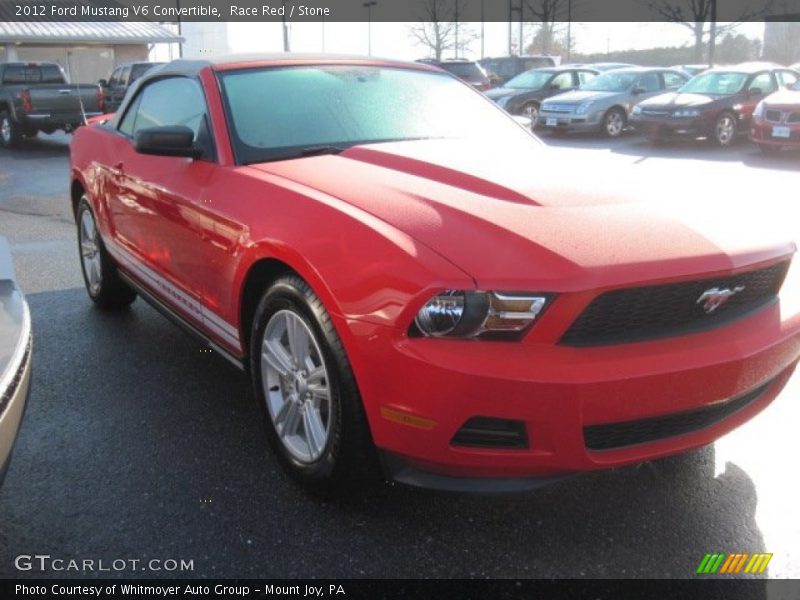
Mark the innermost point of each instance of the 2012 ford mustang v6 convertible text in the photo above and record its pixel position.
(412, 280)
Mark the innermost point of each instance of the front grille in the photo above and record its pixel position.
(793, 117)
(651, 312)
(773, 116)
(488, 432)
(611, 436)
(559, 108)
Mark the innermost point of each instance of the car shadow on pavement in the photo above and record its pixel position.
(42, 146)
(139, 443)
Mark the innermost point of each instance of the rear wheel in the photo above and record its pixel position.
(103, 283)
(306, 389)
(10, 132)
(614, 122)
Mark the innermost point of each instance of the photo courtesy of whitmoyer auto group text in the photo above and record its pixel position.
(400, 299)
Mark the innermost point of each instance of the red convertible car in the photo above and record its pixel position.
(414, 282)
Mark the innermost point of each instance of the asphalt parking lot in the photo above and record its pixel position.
(138, 445)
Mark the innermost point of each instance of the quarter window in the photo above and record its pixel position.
(584, 76)
(764, 82)
(563, 81)
(672, 81)
(649, 82)
(787, 78)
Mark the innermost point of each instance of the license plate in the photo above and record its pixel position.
(781, 132)
(551, 122)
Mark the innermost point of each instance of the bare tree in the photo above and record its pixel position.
(695, 14)
(439, 29)
(550, 14)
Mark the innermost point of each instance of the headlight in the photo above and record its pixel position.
(686, 112)
(459, 313)
(759, 110)
(637, 110)
(584, 108)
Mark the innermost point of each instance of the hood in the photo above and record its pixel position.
(676, 99)
(579, 96)
(523, 220)
(501, 92)
(784, 98)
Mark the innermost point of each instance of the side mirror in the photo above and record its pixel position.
(167, 141)
(102, 82)
(756, 91)
(637, 90)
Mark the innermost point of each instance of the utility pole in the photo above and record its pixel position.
(521, 43)
(569, 30)
(456, 16)
(510, 18)
(285, 29)
(368, 5)
(180, 29)
(712, 40)
(483, 22)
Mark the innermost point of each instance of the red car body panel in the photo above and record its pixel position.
(787, 104)
(378, 230)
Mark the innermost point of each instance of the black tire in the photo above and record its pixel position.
(726, 139)
(614, 122)
(10, 131)
(348, 459)
(111, 292)
(531, 110)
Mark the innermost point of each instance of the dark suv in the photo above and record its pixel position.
(523, 94)
(504, 68)
(121, 79)
(466, 70)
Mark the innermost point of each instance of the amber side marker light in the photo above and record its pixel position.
(405, 418)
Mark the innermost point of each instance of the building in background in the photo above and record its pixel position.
(205, 39)
(781, 40)
(86, 51)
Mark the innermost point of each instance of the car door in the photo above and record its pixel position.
(153, 209)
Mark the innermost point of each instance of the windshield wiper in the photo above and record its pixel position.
(317, 150)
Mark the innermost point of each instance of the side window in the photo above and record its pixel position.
(155, 106)
(672, 81)
(563, 81)
(764, 82)
(114, 79)
(787, 78)
(123, 78)
(585, 76)
(649, 82)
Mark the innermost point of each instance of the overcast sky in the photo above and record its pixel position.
(393, 40)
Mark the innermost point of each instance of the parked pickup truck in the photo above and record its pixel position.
(36, 97)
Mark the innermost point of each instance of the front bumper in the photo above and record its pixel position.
(561, 121)
(671, 127)
(14, 393)
(437, 385)
(764, 133)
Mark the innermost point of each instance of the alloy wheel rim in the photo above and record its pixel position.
(614, 124)
(532, 113)
(5, 130)
(725, 130)
(296, 386)
(90, 253)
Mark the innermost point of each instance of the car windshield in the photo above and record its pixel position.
(613, 81)
(288, 112)
(530, 80)
(721, 84)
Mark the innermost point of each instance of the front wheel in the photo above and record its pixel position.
(307, 392)
(531, 110)
(103, 284)
(614, 122)
(725, 130)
